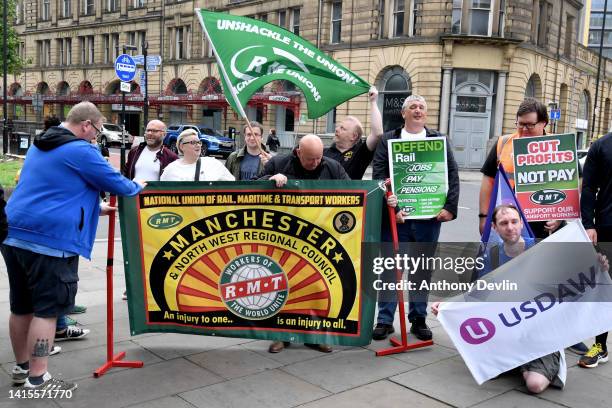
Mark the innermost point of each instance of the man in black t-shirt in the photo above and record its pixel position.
(348, 149)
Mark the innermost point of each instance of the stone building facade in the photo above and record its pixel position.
(473, 60)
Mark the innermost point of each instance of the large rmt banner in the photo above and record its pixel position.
(241, 259)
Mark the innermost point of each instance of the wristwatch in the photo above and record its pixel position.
(481, 215)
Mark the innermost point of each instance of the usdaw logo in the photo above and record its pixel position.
(477, 330)
(254, 287)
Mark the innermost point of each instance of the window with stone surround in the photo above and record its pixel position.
(45, 10)
(295, 21)
(66, 8)
(282, 18)
(68, 50)
(396, 18)
(112, 6)
(181, 42)
(336, 22)
(19, 14)
(540, 22)
(478, 17)
(569, 35)
(456, 16)
(88, 8)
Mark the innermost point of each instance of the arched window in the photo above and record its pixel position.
(42, 88)
(533, 89)
(179, 87)
(210, 85)
(85, 88)
(583, 106)
(63, 88)
(15, 89)
(395, 87)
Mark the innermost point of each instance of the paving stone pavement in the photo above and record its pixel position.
(187, 371)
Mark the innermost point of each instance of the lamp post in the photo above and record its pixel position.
(122, 151)
(601, 40)
(4, 76)
(145, 107)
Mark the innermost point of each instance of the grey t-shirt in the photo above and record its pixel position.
(249, 166)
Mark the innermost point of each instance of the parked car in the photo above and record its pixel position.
(224, 145)
(213, 142)
(110, 134)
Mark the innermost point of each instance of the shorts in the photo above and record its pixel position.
(40, 284)
(548, 366)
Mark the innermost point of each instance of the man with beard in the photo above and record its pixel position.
(248, 162)
(148, 160)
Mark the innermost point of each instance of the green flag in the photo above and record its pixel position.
(251, 53)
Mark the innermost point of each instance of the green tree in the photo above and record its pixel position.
(15, 62)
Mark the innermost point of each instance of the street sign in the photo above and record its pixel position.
(143, 83)
(125, 68)
(126, 86)
(153, 60)
(555, 114)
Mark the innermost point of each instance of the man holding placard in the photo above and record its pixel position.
(425, 179)
(531, 121)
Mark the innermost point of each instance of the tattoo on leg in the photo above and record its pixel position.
(41, 348)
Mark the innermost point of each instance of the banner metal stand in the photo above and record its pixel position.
(399, 346)
(111, 359)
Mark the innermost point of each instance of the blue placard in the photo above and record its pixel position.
(125, 68)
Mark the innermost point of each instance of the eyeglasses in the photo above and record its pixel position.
(193, 142)
(155, 130)
(94, 126)
(526, 126)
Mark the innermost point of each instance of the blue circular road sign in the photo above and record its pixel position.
(125, 67)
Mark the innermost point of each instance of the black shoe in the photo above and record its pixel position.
(420, 330)
(382, 330)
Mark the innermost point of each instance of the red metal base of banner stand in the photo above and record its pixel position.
(116, 362)
(112, 360)
(399, 346)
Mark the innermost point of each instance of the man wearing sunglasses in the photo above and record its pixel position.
(52, 218)
(148, 160)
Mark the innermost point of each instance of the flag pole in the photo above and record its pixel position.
(225, 77)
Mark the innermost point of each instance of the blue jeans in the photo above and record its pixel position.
(61, 323)
(426, 231)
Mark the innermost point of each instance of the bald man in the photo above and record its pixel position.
(148, 160)
(349, 149)
(304, 163)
